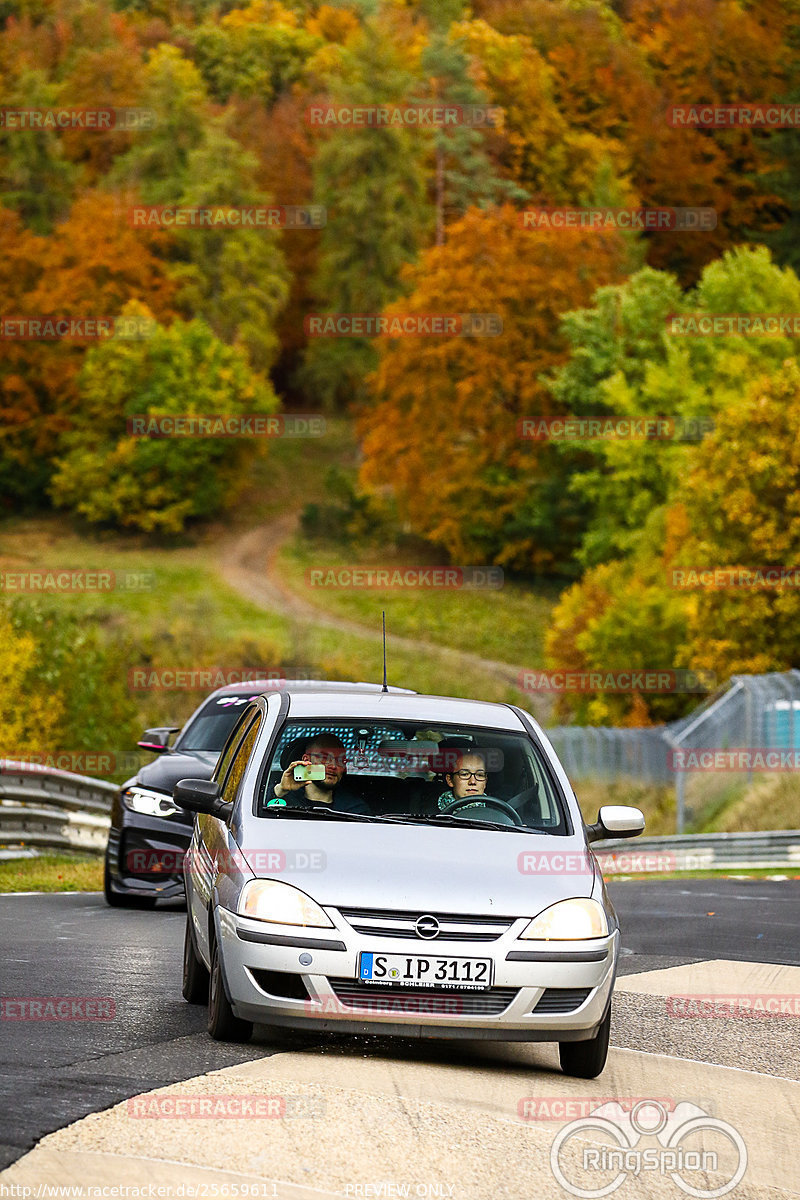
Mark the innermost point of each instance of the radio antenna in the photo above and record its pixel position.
(385, 687)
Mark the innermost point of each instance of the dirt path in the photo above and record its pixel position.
(249, 564)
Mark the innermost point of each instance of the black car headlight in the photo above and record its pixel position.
(148, 803)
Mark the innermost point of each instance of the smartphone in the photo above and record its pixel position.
(307, 772)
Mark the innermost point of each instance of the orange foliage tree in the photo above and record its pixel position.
(442, 431)
(91, 266)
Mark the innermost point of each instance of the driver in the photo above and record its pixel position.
(468, 779)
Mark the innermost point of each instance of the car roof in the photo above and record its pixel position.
(256, 686)
(405, 707)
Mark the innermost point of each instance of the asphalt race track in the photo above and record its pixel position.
(54, 1072)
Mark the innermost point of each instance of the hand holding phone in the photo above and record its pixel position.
(309, 772)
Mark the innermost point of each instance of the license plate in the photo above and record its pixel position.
(425, 970)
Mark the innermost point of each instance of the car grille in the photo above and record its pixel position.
(453, 926)
(560, 1000)
(391, 999)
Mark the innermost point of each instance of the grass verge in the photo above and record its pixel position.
(52, 873)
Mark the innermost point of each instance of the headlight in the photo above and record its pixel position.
(569, 920)
(270, 900)
(150, 804)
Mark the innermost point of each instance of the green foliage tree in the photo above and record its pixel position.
(625, 362)
(108, 475)
(252, 52)
(234, 278)
(36, 178)
(372, 182)
(463, 172)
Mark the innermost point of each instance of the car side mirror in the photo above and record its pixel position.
(157, 740)
(201, 796)
(616, 821)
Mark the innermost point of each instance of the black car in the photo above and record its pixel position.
(149, 835)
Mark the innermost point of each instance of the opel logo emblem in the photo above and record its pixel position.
(427, 926)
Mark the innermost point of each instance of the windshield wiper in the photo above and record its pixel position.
(324, 813)
(470, 822)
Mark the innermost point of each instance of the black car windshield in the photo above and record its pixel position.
(407, 770)
(210, 728)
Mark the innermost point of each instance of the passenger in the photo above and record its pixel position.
(327, 749)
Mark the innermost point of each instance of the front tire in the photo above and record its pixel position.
(585, 1060)
(223, 1025)
(195, 974)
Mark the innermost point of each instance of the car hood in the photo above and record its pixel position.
(166, 770)
(421, 868)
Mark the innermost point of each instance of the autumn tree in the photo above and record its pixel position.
(442, 430)
(745, 512)
(371, 180)
(625, 361)
(233, 277)
(91, 266)
(259, 50)
(108, 474)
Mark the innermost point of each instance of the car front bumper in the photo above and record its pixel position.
(538, 993)
(145, 855)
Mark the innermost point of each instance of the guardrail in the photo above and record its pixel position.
(51, 809)
(777, 849)
(48, 809)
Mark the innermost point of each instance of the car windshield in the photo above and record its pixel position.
(210, 728)
(445, 774)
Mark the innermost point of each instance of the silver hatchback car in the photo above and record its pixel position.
(399, 864)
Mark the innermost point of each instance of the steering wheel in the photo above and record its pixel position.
(488, 801)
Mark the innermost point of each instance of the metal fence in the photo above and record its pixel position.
(51, 810)
(751, 712)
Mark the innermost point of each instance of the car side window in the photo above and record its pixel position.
(241, 757)
(233, 743)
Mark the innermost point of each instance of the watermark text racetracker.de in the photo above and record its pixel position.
(732, 116)
(221, 1106)
(684, 220)
(57, 1008)
(224, 216)
(719, 579)
(100, 763)
(38, 120)
(226, 425)
(268, 1190)
(65, 581)
(744, 1006)
(611, 862)
(406, 578)
(407, 116)
(734, 758)
(269, 861)
(192, 679)
(632, 679)
(50, 327)
(372, 325)
(743, 324)
(610, 428)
